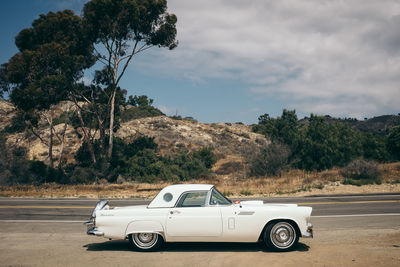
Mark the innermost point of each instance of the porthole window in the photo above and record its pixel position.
(167, 197)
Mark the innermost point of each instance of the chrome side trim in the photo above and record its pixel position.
(246, 213)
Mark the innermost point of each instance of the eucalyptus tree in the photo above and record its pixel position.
(120, 29)
(52, 56)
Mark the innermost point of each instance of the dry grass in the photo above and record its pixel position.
(293, 182)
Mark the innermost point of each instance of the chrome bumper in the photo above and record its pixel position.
(309, 233)
(91, 229)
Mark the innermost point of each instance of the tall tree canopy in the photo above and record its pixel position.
(52, 56)
(121, 29)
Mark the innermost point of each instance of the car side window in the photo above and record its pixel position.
(193, 199)
(218, 199)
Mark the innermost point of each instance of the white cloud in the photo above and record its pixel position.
(325, 56)
(169, 111)
(86, 80)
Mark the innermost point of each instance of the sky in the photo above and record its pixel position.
(237, 60)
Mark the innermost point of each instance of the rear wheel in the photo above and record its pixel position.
(281, 236)
(145, 241)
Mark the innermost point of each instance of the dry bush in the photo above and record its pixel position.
(361, 169)
(271, 160)
(331, 175)
(229, 167)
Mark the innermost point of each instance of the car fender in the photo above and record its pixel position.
(278, 218)
(144, 227)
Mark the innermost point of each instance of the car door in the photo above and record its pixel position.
(192, 218)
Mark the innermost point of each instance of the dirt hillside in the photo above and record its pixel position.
(234, 144)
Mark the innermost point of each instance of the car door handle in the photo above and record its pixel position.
(174, 212)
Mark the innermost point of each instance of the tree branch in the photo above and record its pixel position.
(38, 136)
(109, 53)
(143, 48)
(127, 62)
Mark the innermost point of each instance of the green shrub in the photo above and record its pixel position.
(180, 118)
(82, 175)
(139, 161)
(139, 101)
(324, 145)
(39, 170)
(206, 156)
(138, 112)
(393, 142)
(320, 142)
(374, 147)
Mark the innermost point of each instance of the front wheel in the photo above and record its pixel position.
(145, 241)
(281, 236)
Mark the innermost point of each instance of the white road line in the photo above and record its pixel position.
(359, 196)
(323, 216)
(39, 221)
(148, 200)
(357, 215)
(72, 199)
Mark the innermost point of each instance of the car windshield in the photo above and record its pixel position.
(219, 199)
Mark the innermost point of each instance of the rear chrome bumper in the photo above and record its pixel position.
(309, 233)
(91, 229)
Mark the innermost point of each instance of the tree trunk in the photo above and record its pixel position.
(101, 127)
(50, 120)
(85, 133)
(63, 138)
(110, 141)
(102, 139)
(62, 145)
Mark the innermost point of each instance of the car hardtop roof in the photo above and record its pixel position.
(176, 191)
(188, 187)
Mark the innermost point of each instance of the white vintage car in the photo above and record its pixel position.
(200, 213)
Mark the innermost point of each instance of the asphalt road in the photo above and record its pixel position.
(80, 209)
(359, 230)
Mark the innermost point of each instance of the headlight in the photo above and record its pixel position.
(99, 206)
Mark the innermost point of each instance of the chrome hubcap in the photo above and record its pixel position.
(145, 240)
(283, 235)
(145, 237)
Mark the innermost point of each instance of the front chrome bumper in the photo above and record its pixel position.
(309, 233)
(91, 229)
